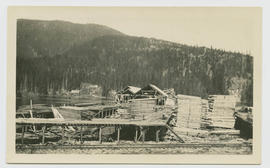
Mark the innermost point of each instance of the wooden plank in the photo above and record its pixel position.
(43, 134)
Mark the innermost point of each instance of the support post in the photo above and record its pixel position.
(118, 134)
(22, 138)
(100, 135)
(136, 135)
(143, 135)
(63, 133)
(179, 138)
(81, 133)
(157, 135)
(31, 105)
(43, 134)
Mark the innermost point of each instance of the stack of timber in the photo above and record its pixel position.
(123, 113)
(144, 108)
(221, 111)
(71, 112)
(204, 113)
(189, 111)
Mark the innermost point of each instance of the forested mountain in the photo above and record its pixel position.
(114, 60)
(36, 38)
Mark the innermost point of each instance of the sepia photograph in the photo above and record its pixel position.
(134, 81)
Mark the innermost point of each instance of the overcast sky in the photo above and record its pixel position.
(233, 29)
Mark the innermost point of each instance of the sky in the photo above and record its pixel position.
(231, 29)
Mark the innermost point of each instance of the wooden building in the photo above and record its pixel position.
(127, 93)
(152, 91)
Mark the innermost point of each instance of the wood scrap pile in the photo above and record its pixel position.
(221, 111)
(189, 111)
(37, 111)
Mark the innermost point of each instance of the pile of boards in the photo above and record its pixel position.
(144, 108)
(189, 111)
(220, 112)
(204, 124)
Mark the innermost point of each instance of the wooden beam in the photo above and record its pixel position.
(43, 134)
(143, 135)
(31, 104)
(179, 138)
(118, 134)
(157, 135)
(81, 133)
(136, 135)
(100, 135)
(22, 138)
(63, 134)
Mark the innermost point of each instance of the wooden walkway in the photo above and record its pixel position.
(94, 122)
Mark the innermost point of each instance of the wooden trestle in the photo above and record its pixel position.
(99, 123)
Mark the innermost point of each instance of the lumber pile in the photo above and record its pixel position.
(220, 111)
(189, 111)
(142, 107)
(123, 114)
(204, 113)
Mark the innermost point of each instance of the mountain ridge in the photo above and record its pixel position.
(115, 60)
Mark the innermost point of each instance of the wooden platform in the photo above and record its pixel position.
(94, 122)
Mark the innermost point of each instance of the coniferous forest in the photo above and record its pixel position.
(57, 56)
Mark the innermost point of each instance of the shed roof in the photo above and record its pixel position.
(131, 89)
(154, 87)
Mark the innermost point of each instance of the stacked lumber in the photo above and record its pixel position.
(123, 113)
(204, 113)
(142, 107)
(221, 111)
(189, 111)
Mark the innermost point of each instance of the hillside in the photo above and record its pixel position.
(36, 38)
(114, 61)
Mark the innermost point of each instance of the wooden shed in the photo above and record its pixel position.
(152, 91)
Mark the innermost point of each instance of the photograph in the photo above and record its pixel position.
(134, 81)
